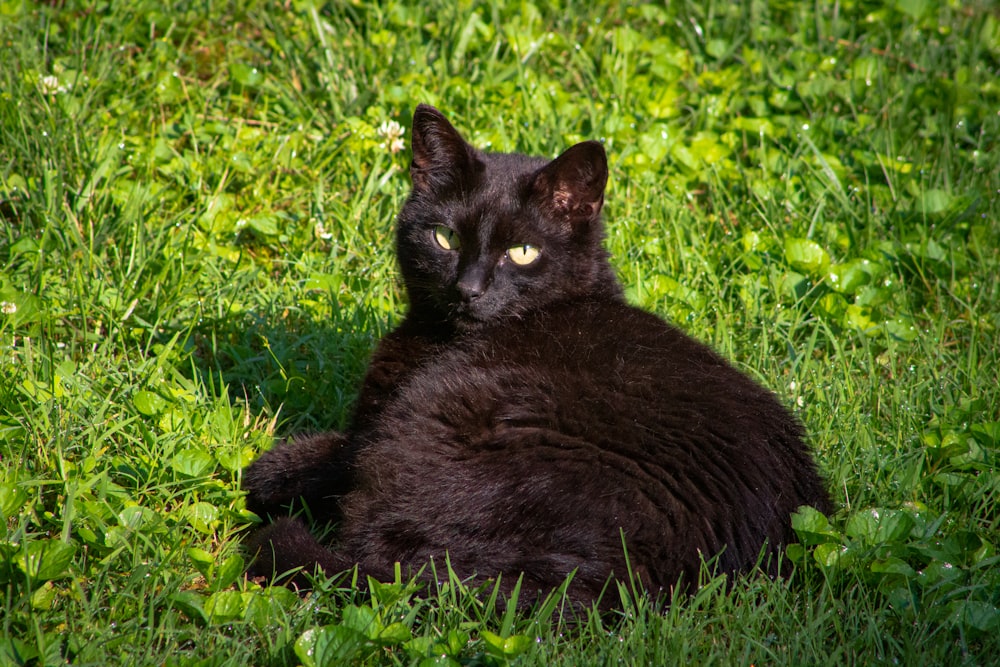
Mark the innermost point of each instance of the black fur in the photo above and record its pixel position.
(523, 418)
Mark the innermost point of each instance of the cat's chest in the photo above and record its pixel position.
(399, 356)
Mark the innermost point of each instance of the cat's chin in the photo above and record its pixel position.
(465, 321)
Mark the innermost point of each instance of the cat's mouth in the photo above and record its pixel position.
(468, 316)
(475, 314)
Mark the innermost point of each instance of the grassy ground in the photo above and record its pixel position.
(196, 207)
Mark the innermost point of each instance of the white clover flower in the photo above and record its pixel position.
(799, 399)
(320, 231)
(49, 85)
(8, 308)
(392, 132)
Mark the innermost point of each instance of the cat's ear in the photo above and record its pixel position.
(441, 157)
(571, 187)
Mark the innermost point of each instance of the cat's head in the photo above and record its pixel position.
(486, 236)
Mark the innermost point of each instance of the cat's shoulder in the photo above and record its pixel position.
(586, 335)
(610, 321)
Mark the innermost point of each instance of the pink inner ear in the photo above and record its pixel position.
(572, 185)
(562, 199)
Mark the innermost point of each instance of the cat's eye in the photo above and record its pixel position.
(522, 255)
(446, 238)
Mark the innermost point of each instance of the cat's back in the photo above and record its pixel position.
(601, 371)
(601, 350)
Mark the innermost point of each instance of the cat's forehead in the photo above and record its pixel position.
(495, 205)
(513, 165)
(505, 178)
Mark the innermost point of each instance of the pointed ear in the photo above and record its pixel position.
(441, 157)
(571, 187)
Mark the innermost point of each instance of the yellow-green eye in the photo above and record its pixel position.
(523, 255)
(446, 238)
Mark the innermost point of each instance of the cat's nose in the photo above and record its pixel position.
(472, 284)
(471, 289)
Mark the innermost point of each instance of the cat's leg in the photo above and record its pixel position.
(312, 469)
(286, 551)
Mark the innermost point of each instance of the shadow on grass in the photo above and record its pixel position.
(288, 363)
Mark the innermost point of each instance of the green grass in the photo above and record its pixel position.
(196, 216)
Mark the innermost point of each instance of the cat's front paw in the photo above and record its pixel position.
(313, 469)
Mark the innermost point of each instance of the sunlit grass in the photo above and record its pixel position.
(196, 257)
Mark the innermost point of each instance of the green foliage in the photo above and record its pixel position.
(196, 206)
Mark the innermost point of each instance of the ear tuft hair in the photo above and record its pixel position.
(441, 157)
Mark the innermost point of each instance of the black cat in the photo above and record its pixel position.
(523, 419)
